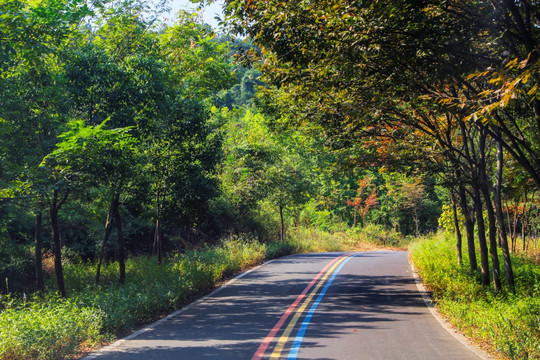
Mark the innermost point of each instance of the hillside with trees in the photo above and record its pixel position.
(135, 150)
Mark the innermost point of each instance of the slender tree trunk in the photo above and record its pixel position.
(456, 226)
(108, 229)
(157, 234)
(55, 233)
(282, 232)
(492, 232)
(39, 246)
(484, 260)
(121, 245)
(485, 185)
(503, 239)
(516, 223)
(511, 228)
(524, 222)
(416, 221)
(469, 217)
(469, 228)
(523, 235)
(157, 240)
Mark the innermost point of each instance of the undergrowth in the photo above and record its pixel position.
(48, 327)
(367, 238)
(507, 323)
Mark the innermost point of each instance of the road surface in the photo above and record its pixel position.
(315, 306)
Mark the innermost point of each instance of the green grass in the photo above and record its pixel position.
(48, 330)
(507, 324)
(53, 328)
(370, 237)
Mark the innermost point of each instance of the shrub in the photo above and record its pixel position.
(48, 330)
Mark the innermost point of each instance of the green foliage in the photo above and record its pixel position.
(507, 322)
(446, 220)
(243, 93)
(202, 63)
(48, 330)
(312, 216)
(94, 154)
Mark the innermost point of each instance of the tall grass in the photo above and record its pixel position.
(48, 330)
(52, 328)
(507, 323)
(369, 237)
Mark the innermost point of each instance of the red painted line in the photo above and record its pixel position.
(272, 334)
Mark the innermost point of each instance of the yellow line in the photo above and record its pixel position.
(285, 336)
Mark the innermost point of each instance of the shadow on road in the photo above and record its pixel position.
(232, 324)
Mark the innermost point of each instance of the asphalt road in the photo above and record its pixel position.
(315, 306)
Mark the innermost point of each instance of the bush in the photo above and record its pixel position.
(49, 330)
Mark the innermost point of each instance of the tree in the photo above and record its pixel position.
(202, 63)
(31, 100)
(286, 185)
(362, 202)
(101, 157)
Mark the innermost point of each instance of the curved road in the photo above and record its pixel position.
(315, 306)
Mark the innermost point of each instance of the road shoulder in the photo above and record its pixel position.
(445, 323)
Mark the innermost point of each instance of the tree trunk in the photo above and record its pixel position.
(282, 232)
(484, 260)
(121, 245)
(55, 233)
(503, 239)
(416, 221)
(524, 222)
(108, 229)
(469, 228)
(456, 226)
(39, 246)
(511, 228)
(157, 233)
(485, 185)
(523, 235)
(492, 228)
(157, 241)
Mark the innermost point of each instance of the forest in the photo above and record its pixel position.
(132, 141)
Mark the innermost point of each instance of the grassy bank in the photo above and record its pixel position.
(507, 324)
(53, 328)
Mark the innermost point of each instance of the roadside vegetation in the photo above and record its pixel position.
(506, 323)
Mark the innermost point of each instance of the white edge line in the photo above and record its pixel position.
(96, 354)
(444, 323)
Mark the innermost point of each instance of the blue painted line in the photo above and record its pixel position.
(293, 353)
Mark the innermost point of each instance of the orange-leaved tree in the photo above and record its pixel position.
(363, 202)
